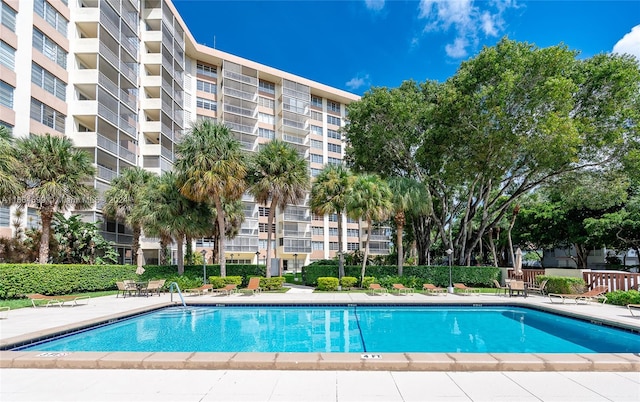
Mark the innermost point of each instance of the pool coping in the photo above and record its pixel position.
(621, 362)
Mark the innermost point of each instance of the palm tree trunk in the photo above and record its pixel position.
(221, 231)
(400, 249)
(270, 218)
(340, 256)
(366, 254)
(180, 243)
(135, 245)
(46, 215)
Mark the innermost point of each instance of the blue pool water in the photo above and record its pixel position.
(349, 329)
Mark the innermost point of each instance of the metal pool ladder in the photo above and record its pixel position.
(179, 293)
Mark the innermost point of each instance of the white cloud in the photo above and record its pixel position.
(630, 43)
(374, 5)
(468, 19)
(358, 82)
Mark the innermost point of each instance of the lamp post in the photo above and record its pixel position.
(204, 266)
(231, 258)
(257, 260)
(449, 253)
(295, 263)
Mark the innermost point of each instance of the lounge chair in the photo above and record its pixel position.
(59, 300)
(123, 289)
(465, 289)
(400, 289)
(430, 288)
(227, 290)
(517, 288)
(253, 285)
(200, 290)
(155, 286)
(597, 293)
(500, 288)
(631, 307)
(539, 288)
(375, 287)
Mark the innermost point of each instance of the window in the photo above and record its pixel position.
(267, 87)
(7, 16)
(315, 158)
(263, 211)
(317, 245)
(333, 231)
(333, 218)
(47, 81)
(266, 102)
(206, 104)
(316, 101)
(333, 120)
(317, 130)
(353, 233)
(317, 230)
(333, 106)
(315, 144)
(351, 220)
(206, 86)
(266, 133)
(206, 70)
(263, 227)
(333, 245)
(317, 217)
(49, 48)
(353, 246)
(316, 115)
(334, 148)
(266, 118)
(6, 95)
(51, 15)
(33, 219)
(5, 217)
(315, 172)
(47, 115)
(7, 56)
(334, 161)
(334, 134)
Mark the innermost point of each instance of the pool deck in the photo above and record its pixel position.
(316, 376)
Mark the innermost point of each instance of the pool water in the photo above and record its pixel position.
(349, 329)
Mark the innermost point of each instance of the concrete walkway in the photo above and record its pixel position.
(29, 384)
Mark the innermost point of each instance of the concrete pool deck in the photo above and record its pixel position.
(401, 376)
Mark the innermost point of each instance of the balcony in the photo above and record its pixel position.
(106, 144)
(240, 77)
(106, 173)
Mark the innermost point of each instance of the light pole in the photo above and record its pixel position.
(231, 258)
(257, 261)
(295, 263)
(204, 266)
(449, 253)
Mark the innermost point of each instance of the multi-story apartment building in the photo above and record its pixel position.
(124, 79)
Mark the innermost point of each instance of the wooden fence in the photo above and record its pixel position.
(614, 280)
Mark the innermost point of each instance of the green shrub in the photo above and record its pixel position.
(348, 282)
(562, 284)
(328, 283)
(622, 298)
(368, 280)
(289, 278)
(273, 283)
(233, 280)
(217, 282)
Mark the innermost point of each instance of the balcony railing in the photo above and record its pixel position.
(107, 144)
(106, 173)
(241, 77)
(128, 155)
(240, 94)
(297, 217)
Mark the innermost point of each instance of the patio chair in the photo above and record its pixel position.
(130, 286)
(227, 290)
(253, 285)
(539, 288)
(375, 287)
(122, 289)
(597, 293)
(400, 289)
(59, 300)
(155, 286)
(517, 288)
(200, 290)
(430, 288)
(465, 289)
(631, 307)
(501, 289)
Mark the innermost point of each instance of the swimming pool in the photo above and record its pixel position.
(487, 329)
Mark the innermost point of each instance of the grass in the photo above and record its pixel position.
(15, 304)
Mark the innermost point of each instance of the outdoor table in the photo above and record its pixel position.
(140, 286)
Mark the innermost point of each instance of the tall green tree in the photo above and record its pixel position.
(215, 168)
(80, 242)
(329, 194)
(9, 167)
(124, 197)
(278, 176)
(54, 174)
(369, 200)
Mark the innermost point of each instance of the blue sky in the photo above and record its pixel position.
(354, 45)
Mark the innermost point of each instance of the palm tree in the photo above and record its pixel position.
(214, 168)
(54, 174)
(369, 200)
(409, 197)
(124, 197)
(166, 212)
(9, 166)
(329, 194)
(278, 176)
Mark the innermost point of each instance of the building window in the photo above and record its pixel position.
(33, 219)
(333, 231)
(7, 56)
(47, 115)
(333, 106)
(317, 217)
(6, 95)
(7, 16)
(49, 48)
(268, 87)
(316, 101)
(263, 227)
(208, 87)
(5, 217)
(333, 245)
(315, 144)
(353, 246)
(351, 220)
(263, 211)
(315, 172)
(334, 148)
(206, 104)
(51, 15)
(334, 134)
(334, 161)
(47, 81)
(333, 218)
(266, 118)
(353, 233)
(317, 230)
(266, 102)
(206, 70)
(317, 245)
(317, 130)
(316, 115)
(333, 120)
(266, 133)
(315, 158)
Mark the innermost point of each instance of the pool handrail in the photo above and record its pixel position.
(179, 293)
